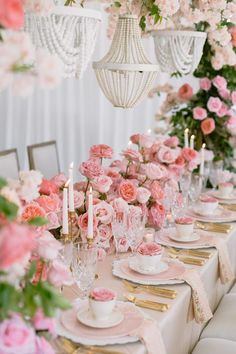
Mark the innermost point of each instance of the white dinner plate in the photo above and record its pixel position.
(86, 317)
(218, 195)
(134, 265)
(194, 237)
(220, 215)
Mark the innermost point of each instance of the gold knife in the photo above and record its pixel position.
(192, 261)
(153, 305)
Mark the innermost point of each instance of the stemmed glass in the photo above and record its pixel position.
(84, 266)
(119, 228)
(184, 184)
(134, 231)
(195, 188)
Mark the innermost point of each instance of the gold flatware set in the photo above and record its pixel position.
(228, 206)
(213, 227)
(150, 289)
(152, 305)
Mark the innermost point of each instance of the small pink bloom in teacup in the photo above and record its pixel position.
(208, 199)
(184, 221)
(226, 189)
(149, 255)
(184, 227)
(149, 249)
(102, 302)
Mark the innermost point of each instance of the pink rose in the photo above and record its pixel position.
(11, 14)
(166, 154)
(223, 111)
(16, 336)
(91, 169)
(123, 245)
(48, 187)
(135, 139)
(120, 205)
(189, 154)
(47, 246)
(59, 180)
(143, 194)
(156, 215)
(145, 141)
(180, 161)
(233, 97)
(208, 126)
(102, 184)
(157, 191)
(103, 212)
(102, 294)
(101, 151)
(149, 249)
(16, 242)
(83, 222)
(172, 142)
(43, 347)
(49, 203)
(53, 221)
(185, 92)
(128, 191)
(224, 93)
(205, 84)
(153, 171)
(79, 198)
(232, 31)
(32, 211)
(214, 104)
(220, 82)
(199, 113)
(42, 323)
(132, 155)
(184, 220)
(80, 186)
(59, 274)
(105, 233)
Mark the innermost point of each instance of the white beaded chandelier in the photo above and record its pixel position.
(68, 32)
(178, 51)
(125, 75)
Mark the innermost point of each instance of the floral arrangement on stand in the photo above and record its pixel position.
(21, 65)
(30, 270)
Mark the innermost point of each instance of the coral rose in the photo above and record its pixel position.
(205, 84)
(50, 202)
(128, 191)
(214, 104)
(189, 154)
(199, 113)
(156, 215)
(101, 151)
(91, 169)
(48, 187)
(11, 14)
(157, 191)
(185, 92)
(208, 126)
(32, 211)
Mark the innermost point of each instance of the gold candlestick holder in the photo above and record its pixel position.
(72, 222)
(90, 241)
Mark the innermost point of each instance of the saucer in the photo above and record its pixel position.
(134, 265)
(218, 195)
(200, 211)
(85, 316)
(193, 237)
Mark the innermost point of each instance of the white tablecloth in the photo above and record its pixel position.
(179, 333)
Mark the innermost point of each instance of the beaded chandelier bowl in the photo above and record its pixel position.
(125, 75)
(68, 32)
(178, 51)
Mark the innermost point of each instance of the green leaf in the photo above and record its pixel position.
(38, 221)
(142, 23)
(117, 4)
(8, 209)
(3, 182)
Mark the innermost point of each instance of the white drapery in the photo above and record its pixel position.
(76, 114)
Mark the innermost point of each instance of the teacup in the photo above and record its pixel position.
(101, 303)
(225, 189)
(149, 255)
(207, 205)
(184, 227)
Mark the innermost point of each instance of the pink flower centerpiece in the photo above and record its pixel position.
(102, 302)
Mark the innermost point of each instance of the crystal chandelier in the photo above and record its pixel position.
(178, 51)
(125, 75)
(68, 32)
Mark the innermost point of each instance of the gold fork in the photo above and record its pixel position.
(185, 259)
(74, 348)
(167, 293)
(220, 228)
(191, 252)
(152, 305)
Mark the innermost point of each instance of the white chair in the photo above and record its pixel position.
(223, 323)
(215, 346)
(9, 164)
(44, 158)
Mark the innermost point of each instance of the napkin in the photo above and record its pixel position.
(201, 308)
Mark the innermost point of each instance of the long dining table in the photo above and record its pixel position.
(180, 332)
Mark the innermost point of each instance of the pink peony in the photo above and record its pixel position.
(208, 126)
(79, 198)
(214, 104)
(103, 212)
(47, 246)
(16, 336)
(128, 191)
(153, 171)
(156, 215)
(223, 111)
(48, 187)
(104, 232)
(189, 154)
(224, 93)
(233, 97)
(91, 169)
(59, 180)
(172, 142)
(32, 211)
(135, 139)
(199, 113)
(83, 222)
(101, 151)
(53, 221)
(11, 14)
(166, 154)
(59, 274)
(102, 294)
(205, 84)
(16, 242)
(185, 92)
(149, 249)
(145, 141)
(132, 155)
(143, 195)
(49, 203)
(102, 184)
(157, 191)
(180, 161)
(43, 346)
(220, 82)
(43, 323)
